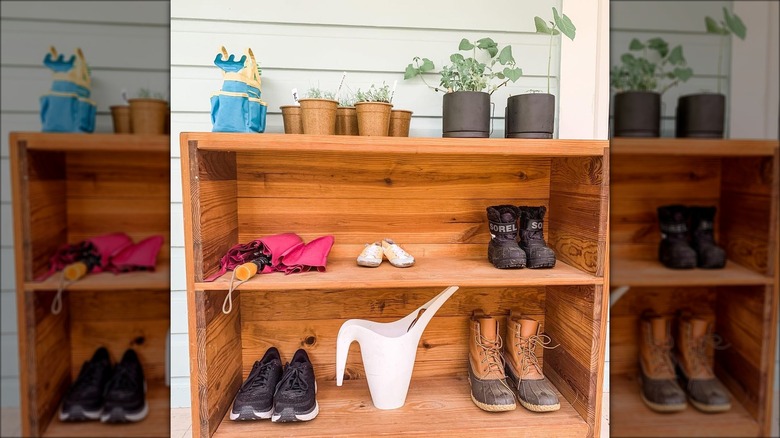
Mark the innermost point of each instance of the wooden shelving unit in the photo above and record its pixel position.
(740, 178)
(430, 195)
(66, 188)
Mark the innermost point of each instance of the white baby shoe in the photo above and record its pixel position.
(371, 256)
(396, 255)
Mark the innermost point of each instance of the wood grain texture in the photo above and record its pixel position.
(434, 407)
(47, 141)
(218, 355)
(676, 147)
(628, 272)
(630, 417)
(45, 210)
(396, 145)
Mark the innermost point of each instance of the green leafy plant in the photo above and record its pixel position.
(145, 93)
(316, 93)
(374, 94)
(347, 100)
(731, 24)
(470, 74)
(560, 24)
(640, 73)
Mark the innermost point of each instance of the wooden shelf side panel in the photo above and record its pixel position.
(574, 321)
(215, 359)
(579, 197)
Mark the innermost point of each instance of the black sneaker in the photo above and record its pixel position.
(295, 397)
(255, 398)
(125, 395)
(84, 399)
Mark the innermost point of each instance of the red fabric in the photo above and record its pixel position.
(273, 246)
(139, 256)
(108, 245)
(302, 258)
(97, 250)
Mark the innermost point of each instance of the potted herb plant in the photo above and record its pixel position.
(318, 112)
(346, 116)
(532, 115)
(637, 104)
(373, 110)
(703, 115)
(467, 84)
(400, 120)
(148, 113)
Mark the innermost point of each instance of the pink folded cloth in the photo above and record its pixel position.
(302, 258)
(141, 256)
(271, 246)
(96, 252)
(287, 252)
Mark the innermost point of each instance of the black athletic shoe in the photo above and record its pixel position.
(255, 398)
(84, 399)
(125, 395)
(296, 394)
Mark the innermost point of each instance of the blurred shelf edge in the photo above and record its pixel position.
(53, 141)
(693, 146)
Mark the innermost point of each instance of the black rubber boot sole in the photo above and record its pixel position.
(541, 263)
(507, 262)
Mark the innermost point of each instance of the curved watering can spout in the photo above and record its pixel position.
(388, 351)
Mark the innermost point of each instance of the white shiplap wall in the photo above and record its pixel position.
(301, 44)
(125, 43)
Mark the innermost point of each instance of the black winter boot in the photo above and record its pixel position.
(532, 238)
(709, 254)
(503, 251)
(674, 251)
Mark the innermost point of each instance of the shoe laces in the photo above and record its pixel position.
(261, 375)
(123, 379)
(491, 352)
(88, 378)
(372, 250)
(662, 361)
(699, 351)
(398, 251)
(527, 349)
(294, 379)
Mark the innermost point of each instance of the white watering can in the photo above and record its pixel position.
(388, 351)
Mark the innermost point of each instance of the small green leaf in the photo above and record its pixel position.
(427, 65)
(465, 45)
(541, 26)
(513, 74)
(410, 72)
(636, 45)
(683, 73)
(486, 43)
(492, 51)
(712, 26)
(676, 56)
(506, 55)
(564, 24)
(735, 24)
(628, 58)
(500, 75)
(659, 45)
(457, 58)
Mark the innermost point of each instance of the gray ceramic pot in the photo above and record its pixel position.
(701, 115)
(637, 114)
(466, 114)
(530, 116)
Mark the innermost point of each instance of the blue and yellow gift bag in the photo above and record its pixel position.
(67, 107)
(237, 106)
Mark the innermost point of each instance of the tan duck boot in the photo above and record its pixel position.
(489, 389)
(659, 391)
(694, 364)
(523, 372)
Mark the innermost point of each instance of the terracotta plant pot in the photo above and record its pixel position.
(637, 114)
(701, 115)
(148, 116)
(346, 120)
(530, 115)
(373, 118)
(291, 115)
(318, 116)
(466, 114)
(399, 123)
(120, 114)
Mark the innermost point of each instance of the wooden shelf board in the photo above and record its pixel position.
(157, 424)
(434, 407)
(629, 416)
(159, 279)
(427, 272)
(46, 141)
(692, 146)
(625, 272)
(409, 145)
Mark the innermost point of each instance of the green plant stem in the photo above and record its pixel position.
(720, 58)
(549, 59)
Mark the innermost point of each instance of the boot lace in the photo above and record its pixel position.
(491, 353)
(661, 358)
(527, 349)
(699, 351)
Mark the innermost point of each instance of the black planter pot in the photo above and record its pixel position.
(466, 114)
(637, 114)
(530, 116)
(701, 115)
